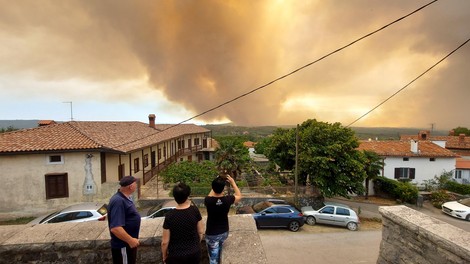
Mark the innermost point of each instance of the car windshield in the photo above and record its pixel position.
(49, 216)
(261, 206)
(154, 209)
(465, 201)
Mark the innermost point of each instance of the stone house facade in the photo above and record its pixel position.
(54, 165)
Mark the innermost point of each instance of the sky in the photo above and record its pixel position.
(123, 60)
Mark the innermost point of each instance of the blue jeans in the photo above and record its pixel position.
(214, 247)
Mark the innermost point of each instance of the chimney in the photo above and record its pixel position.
(423, 135)
(451, 133)
(461, 138)
(414, 146)
(152, 120)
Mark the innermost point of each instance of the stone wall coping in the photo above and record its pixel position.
(243, 245)
(442, 234)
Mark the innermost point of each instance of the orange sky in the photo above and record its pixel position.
(122, 60)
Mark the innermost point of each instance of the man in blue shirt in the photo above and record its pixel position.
(124, 223)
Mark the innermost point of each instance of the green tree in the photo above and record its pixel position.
(231, 156)
(190, 172)
(461, 130)
(373, 166)
(328, 157)
(8, 129)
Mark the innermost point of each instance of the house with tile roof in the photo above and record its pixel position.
(412, 160)
(459, 144)
(64, 163)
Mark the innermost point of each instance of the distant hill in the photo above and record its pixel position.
(18, 124)
(254, 133)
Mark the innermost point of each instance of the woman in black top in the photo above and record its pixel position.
(182, 230)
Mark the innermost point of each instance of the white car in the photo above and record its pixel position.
(75, 213)
(332, 214)
(162, 209)
(459, 209)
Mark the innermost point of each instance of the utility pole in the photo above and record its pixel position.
(296, 163)
(71, 109)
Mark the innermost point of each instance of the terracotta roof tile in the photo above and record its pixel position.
(403, 148)
(76, 135)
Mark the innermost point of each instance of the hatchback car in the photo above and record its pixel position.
(332, 214)
(459, 209)
(160, 210)
(75, 213)
(268, 214)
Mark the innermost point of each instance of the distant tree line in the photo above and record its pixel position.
(8, 129)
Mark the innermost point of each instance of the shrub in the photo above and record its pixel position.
(456, 187)
(439, 197)
(404, 191)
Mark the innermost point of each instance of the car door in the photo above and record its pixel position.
(284, 216)
(326, 215)
(266, 218)
(342, 216)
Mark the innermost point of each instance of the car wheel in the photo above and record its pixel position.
(294, 226)
(468, 217)
(311, 220)
(352, 226)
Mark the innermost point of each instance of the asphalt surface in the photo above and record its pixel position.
(335, 245)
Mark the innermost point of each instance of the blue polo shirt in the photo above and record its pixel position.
(122, 212)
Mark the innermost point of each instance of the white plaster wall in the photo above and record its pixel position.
(425, 169)
(23, 177)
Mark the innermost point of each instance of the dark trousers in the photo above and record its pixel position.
(189, 259)
(125, 255)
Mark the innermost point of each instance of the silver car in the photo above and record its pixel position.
(75, 213)
(332, 214)
(162, 209)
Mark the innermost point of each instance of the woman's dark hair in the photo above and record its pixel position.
(218, 184)
(181, 192)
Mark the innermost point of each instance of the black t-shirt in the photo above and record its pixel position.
(217, 211)
(184, 238)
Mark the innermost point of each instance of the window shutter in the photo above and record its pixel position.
(412, 173)
(397, 173)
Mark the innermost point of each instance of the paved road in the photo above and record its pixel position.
(283, 246)
(337, 246)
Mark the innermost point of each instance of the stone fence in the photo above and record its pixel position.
(409, 236)
(88, 243)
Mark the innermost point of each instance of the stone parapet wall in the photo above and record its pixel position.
(88, 243)
(409, 236)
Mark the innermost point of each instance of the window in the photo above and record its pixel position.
(432, 159)
(121, 171)
(404, 173)
(204, 143)
(328, 210)
(179, 144)
(159, 153)
(458, 174)
(406, 159)
(55, 159)
(57, 185)
(342, 211)
(283, 210)
(146, 160)
(269, 211)
(189, 143)
(196, 141)
(136, 165)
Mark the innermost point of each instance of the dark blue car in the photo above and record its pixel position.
(270, 215)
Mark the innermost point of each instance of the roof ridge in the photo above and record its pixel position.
(81, 132)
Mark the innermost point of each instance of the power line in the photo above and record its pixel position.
(305, 66)
(404, 87)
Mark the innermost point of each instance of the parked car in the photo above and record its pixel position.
(75, 213)
(459, 209)
(269, 214)
(332, 214)
(160, 210)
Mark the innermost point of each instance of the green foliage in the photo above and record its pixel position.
(328, 157)
(461, 130)
(439, 197)
(456, 187)
(403, 191)
(8, 129)
(373, 166)
(262, 145)
(231, 156)
(190, 172)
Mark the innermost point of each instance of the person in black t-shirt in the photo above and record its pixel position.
(182, 230)
(218, 206)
